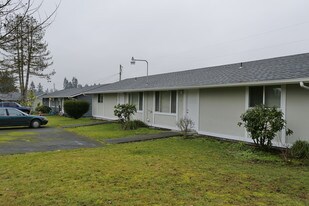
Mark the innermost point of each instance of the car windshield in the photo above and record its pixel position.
(18, 104)
(15, 112)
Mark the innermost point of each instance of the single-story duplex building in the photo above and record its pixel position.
(56, 99)
(215, 97)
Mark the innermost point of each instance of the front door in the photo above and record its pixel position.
(192, 108)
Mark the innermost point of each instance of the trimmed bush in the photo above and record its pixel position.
(124, 112)
(76, 108)
(300, 149)
(263, 123)
(44, 109)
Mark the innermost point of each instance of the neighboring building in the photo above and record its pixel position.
(55, 100)
(10, 97)
(215, 97)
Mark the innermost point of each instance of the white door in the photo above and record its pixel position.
(192, 108)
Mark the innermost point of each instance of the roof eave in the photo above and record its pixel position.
(270, 82)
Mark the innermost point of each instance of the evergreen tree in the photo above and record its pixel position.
(7, 82)
(25, 52)
(32, 87)
(74, 82)
(70, 85)
(40, 88)
(65, 83)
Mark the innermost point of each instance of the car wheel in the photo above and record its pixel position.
(35, 123)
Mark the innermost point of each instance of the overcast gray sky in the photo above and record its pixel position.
(90, 38)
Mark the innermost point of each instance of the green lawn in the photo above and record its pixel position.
(58, 121)
(109, 131)
(172, 171)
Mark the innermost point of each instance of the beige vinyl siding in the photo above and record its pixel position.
(297, 112)
(180, 104)
(165, 120)
(220, 110)
(98, 106)
(138, 115)
(149, 107)
(109, 101)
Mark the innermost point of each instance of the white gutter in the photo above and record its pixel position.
(302, 84)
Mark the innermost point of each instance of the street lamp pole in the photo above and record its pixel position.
(133, 60)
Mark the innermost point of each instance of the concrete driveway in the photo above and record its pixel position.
(23, 140)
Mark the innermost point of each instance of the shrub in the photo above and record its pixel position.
(43, 109)
(262, 123)
(76, 108)
(133, 124)
(185, 125)
(124, 112)
(300, 149)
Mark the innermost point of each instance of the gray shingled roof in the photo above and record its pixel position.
(69, 93)
(281, 69)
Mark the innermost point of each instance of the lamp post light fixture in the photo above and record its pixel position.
(133, 60)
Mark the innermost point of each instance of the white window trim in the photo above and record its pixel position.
(264, 94)
(170, 104)
(282, 108)
(165, 113)
(137, 106)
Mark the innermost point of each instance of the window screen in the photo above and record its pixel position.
(273, 96)
(140, 101)
(157, 101)
(255, 96)
(173, 102)
(100, 98)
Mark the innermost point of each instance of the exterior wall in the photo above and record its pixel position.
(138, 115)
(109, 101)
(220, 110)
(97, 108)
(165, 120)
(180, 103)
(297, 112)
(149, 107)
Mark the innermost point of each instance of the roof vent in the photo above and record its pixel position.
(240, 65)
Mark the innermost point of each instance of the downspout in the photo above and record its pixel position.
(302, 84)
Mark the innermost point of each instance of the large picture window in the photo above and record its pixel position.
(165, 101)
(267, 95)
(137, 99)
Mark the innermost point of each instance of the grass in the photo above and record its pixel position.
(57, 121)
(172, 171)
(11, 136)
(109, 131)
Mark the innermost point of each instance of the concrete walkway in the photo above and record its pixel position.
(139, 138)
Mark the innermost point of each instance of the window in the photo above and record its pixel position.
(2, 112)
(165, 101)
(15, 112)
(140, 101)
(100, 98)
(137, 100)
(268, 95)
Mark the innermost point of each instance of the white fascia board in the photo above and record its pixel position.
(271, 82)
